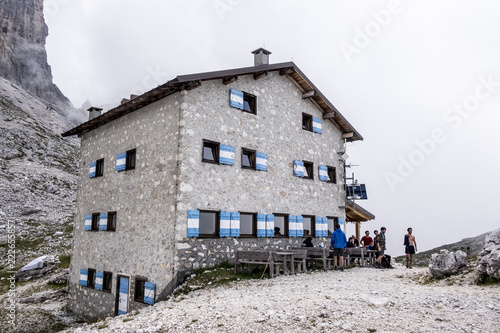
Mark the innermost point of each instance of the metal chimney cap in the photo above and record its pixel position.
(263, 50)
(93, 108)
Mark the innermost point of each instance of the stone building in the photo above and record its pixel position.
(206, 164)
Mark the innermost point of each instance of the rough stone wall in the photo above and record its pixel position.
(277, 131)
(144, 200)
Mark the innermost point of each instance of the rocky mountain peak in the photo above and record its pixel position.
(23, 58)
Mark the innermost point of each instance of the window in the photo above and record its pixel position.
(139, 289)
(91, 278)
(99, 167)
(249, 103)
(248, 159)
(106, 281)
(332, 175)
(210, 152)
(209, 223)
(95, 222)
(111, 221)
(308, 170)
(130, 160)
(280, 225)
(307, 123)
(331, 224)
(248, 224)
(309, 226)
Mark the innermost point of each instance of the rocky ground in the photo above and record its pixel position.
(356, 300)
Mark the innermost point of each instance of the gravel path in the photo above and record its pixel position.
(356, 300)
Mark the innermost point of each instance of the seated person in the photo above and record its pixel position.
(355, 240)
(367, 240)
(350, 242)
(277, 231)
(307, 242)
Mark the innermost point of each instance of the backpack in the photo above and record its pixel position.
(386, 263)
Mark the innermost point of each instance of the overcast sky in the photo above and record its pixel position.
(420, 80)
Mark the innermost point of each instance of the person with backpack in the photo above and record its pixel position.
(380, 244)
(338, 243)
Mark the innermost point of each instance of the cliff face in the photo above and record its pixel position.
(23, 59)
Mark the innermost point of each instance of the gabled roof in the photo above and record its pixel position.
(192, 81)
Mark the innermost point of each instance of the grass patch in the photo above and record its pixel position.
(486, 280)
(65, 260)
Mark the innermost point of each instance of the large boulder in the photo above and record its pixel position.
(488, 260)
(446, 263)
(37, 267)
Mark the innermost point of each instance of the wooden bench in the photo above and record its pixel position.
(299, 258)
(356, 252)
(314, 254)
(256, 258)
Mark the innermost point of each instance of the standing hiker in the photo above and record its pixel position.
(410, 247)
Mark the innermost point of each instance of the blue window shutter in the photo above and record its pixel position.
(261, 161)
(103, 222)
(321, 227)
(292, 226)
(236, 99)
(235, 224)
(149, 293)
(92, 170)
(298, 168)
(122, 305)
(317, 126)
(323, 173)
(261, 225)
(270, 225)
(226, 155)
(99, 277)
(88, 222)
(300, 226)
(120, 161)
(225, 224)
(193, 227)
(341, 220)
(84, 273)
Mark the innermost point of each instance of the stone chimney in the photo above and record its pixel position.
(94, 112)
(261, 57)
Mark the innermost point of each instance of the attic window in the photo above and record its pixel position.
(249, 103)
(130, 160)
(99, 168)
(307, 122)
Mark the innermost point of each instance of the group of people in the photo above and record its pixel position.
(339, 243)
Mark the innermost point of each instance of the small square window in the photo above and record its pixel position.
(95, 222)
(139, 289)
(249, 103)
(130, 160)
(308, 170)
(107, 281)
(99, 168)
(91, 278)
(248, 159)
(209, 223)
(111, 221)
(280, 225)
(248, 224)
(307, 122)
(332, 175)
(210, 152)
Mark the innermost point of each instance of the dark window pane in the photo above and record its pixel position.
(307, 122)
(249, 103)
(207, 222)
(107, 280)
(95, 221)
(307, 226)
(246, 224)
(332, 175)
(308, 170)
(130, 160)
(139, 290)
(279, 222)
(111, 221)
(99, 168)
(91, 278)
